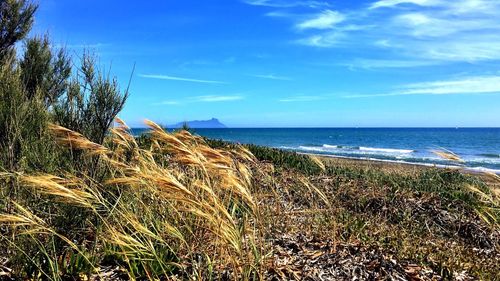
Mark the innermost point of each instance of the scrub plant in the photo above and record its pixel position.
(176, 208)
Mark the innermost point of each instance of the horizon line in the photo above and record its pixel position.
(345, 127)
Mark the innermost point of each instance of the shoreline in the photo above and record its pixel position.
(392, 165)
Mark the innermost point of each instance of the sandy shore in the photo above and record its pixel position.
(396, 167)
(370, 163)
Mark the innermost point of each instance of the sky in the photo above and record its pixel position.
(292, 63)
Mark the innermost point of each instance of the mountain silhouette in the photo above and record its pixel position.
(212, 123)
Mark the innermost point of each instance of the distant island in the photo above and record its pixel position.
(213, 123)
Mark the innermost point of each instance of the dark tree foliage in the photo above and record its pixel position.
(38, 87)
(185, 127)
(16, 19)
(22, 120)
(91, 103)
(22, 124)
(44, 71)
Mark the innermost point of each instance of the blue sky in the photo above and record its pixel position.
(293, 63)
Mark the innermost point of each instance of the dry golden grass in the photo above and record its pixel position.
(160, 208)
(177, 208)
(491, 198)
(448, 155)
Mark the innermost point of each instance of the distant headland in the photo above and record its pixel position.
(213, 123)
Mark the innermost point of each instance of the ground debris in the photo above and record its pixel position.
(301, 258)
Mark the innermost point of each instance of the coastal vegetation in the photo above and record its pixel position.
(82, 198)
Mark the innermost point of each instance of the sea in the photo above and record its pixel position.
(478, 147)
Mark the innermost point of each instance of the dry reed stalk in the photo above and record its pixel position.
(175, 194)
(448, 155)
(76, 140)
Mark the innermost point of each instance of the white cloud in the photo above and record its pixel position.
(272, 77)
(471, 49)
(175, 78)
(459, 7)
(280, 14)
(392, 3)
(215, 98)
(204, 98)
(380, 63)
(387, 44)
(287, 3)
(324, 20)
(358, 96)
(326, 40)
(455, 7)
(435, 25)
(410, 33)
(467, 85)
(301, 98)
(449, 31)
(167, 102)
(414, 19)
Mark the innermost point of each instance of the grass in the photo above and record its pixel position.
(438, 219)
(175, 205)
(444, 220)
(87, 201)
(281, 159)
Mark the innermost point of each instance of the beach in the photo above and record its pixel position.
(402, 168)
(478, 148)
(255, 140)
(388, 212)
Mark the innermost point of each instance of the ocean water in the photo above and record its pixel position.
(479, 147)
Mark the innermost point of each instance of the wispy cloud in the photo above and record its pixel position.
(380, 63)
(425, 24)
(359, 96)
(456, 6)
(215, 98)
(301, 98)
(272, 77)
(326, 40)
(467, 85)
(405, 30)
(167, 102)
(392, 3)
(472, 48)
(287, 3)
(175, 78)
(203, 98)
(280, 14)
(450, 31)
(324, 20)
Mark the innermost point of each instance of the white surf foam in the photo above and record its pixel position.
(483, 170)
(386, 150)
(330, 146)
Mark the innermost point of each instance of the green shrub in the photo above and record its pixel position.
(280, 158)
(44, 71)
(16, 19)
